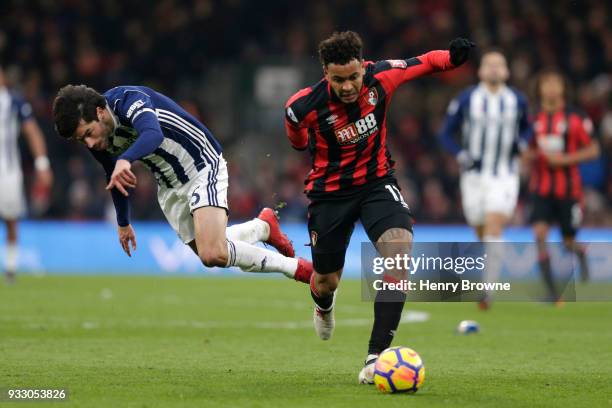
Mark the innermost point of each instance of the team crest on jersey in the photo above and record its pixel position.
(313, 238)
(398, 64)
(372, 96)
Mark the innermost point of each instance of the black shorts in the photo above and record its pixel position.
(331, 221)
(567, 213)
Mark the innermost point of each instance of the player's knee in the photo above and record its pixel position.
(540, 235)
(213, 255)
(540, 231)
(493, 230)
(395, 235)
(327, 283)
(569, 243)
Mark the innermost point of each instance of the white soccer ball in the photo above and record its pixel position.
(468, 327)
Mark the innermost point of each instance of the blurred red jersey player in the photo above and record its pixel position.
(562, 139)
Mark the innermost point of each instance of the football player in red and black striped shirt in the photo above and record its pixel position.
(562, 139)
(341, 120)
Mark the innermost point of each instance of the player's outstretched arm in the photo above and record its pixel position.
(127, 236)
(136, 107)
(122, 177)
(120, 201)
(590, 152)
(589, 148)
(393, 73)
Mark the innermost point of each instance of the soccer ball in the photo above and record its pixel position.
(399, 369)
(468, 327)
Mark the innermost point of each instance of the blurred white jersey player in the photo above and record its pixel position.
(492, 119)
(15, 118)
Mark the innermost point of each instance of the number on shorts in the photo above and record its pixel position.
(195, 198)
(397, 196)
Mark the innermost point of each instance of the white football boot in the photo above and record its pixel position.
(366, 375)
(324, 321)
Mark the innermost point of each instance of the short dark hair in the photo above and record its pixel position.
(341, 48)
(73, 103)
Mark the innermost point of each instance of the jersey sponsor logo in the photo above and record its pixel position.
(138, 104)
(372, 96)
(551, 143)
(587, 125)
(354, 132)
(347, 134)
(332, 119)
(291, 115)
(561, 126)
(398, 64)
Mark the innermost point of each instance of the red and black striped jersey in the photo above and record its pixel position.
(564, 131)
(348, 142)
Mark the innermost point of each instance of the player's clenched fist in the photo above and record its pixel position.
(122, 177)
(459, 50)
(127, 236)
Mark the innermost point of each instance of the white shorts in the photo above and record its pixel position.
(12, 202)
(485, 194)
(208, 189)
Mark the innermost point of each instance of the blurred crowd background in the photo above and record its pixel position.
(234, 63)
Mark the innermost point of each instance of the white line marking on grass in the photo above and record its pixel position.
(414, 316)
(35, 323)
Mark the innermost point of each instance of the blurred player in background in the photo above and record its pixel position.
(562, 140)
(492, 119)
(130, 123)
(16, 117)
(341, 121)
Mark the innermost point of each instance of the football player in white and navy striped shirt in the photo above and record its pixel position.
(491, 119)
(130, 123)
(16, 118)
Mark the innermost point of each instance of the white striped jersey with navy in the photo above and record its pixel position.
(492, 127)
(187, 146)
(13, 112)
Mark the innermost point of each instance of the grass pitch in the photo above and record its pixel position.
(249, 342)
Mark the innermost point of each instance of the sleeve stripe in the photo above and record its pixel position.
(413, 61)
(141, 111)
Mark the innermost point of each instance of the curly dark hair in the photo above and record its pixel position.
(73, 103)
(341, 48)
